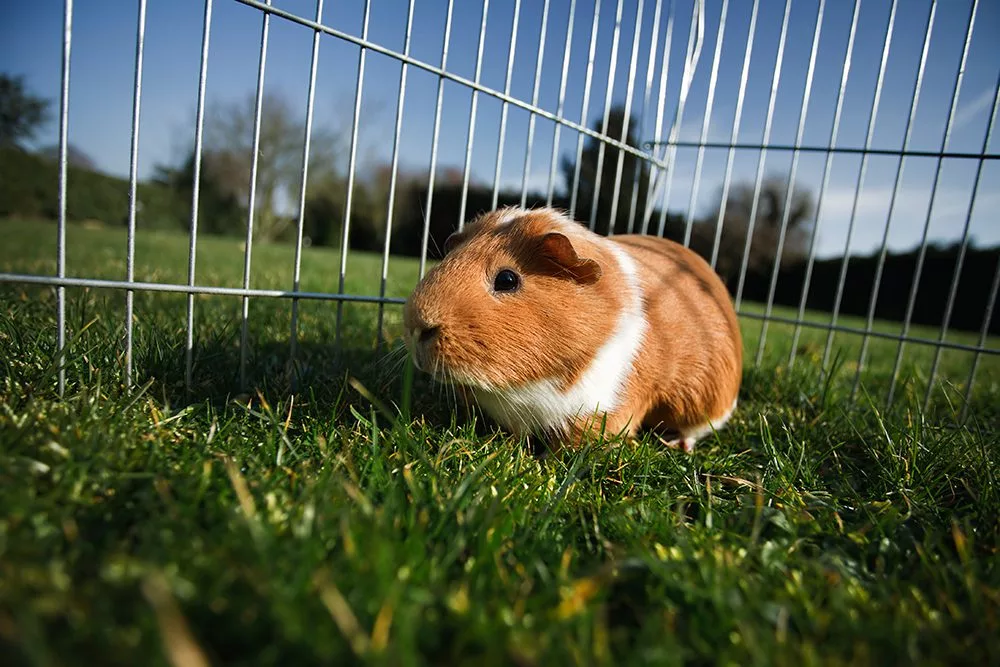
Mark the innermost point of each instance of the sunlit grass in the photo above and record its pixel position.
(321, 526)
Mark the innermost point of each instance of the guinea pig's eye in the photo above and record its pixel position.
(506, 281)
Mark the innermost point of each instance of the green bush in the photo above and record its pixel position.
(29, 187)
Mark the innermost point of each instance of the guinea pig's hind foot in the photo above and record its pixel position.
(692, 434)
(674, 440)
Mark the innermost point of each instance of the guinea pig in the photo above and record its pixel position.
(561, 333)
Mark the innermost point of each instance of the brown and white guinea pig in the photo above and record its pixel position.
(560, 332)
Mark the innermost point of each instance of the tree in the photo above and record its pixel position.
(21, 113)
(219, 212)
(767, 229)
(229, 151)
(632, 167)
(75, 157)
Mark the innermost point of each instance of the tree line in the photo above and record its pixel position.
(28, 188)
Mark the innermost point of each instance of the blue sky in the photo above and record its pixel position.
(104, 57)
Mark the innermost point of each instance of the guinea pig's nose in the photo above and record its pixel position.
(426, 334)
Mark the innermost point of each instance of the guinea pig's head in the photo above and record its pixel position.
(520, 296)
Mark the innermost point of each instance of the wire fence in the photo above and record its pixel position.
(658, 151)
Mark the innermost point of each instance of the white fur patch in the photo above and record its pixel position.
(542, 405)
(700, 431)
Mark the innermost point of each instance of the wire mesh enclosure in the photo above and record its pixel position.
(832, 160)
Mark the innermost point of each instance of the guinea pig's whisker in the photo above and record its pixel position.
(453, 397)
(436, 372)
(390, 361)
(401, 356)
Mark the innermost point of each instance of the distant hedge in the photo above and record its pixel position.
(971, 298)
(29, 187)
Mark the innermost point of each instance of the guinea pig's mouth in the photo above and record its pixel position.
(444, 374)
(427, 361)
(425, 351)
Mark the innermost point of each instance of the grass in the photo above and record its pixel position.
(153, 526)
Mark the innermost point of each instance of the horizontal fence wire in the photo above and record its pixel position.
(836, 150)
(666, 138)
(210, 290)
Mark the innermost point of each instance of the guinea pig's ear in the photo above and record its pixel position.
(558, 249)
(453, 241)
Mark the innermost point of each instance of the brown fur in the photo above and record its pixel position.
(486, 336)
(687, 370)
(692, 360)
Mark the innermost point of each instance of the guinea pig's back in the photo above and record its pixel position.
(694, 332)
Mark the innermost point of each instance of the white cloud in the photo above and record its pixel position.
(969, 112)
(909, 214)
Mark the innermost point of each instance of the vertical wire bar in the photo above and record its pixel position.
(921, 253)
(393, 175)
(678, 120)
(911, 302)
(790, 185)
(650, 72)
(859, 187)
(425, 239)
(834, 135)
(962, 249)
(534, 103)
(199, 129)
(352, 161)
(737, 118)
(63, 168)
(310, 102)
(575, 190)
(612, 68)
(140, 39)
(258, 109)
(472, 120)
(561, 104)
(633, 64)
(706, 122)
(654, 174)
(659, 197)
(762, 158)
(504, 107)
(983, 333)
(955, 278)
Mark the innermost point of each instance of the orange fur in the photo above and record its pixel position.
(544, 339)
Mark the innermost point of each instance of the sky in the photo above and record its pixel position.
(103, 69)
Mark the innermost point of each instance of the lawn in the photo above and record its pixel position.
(360, 518)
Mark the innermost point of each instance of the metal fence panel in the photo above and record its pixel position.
(656, 150)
